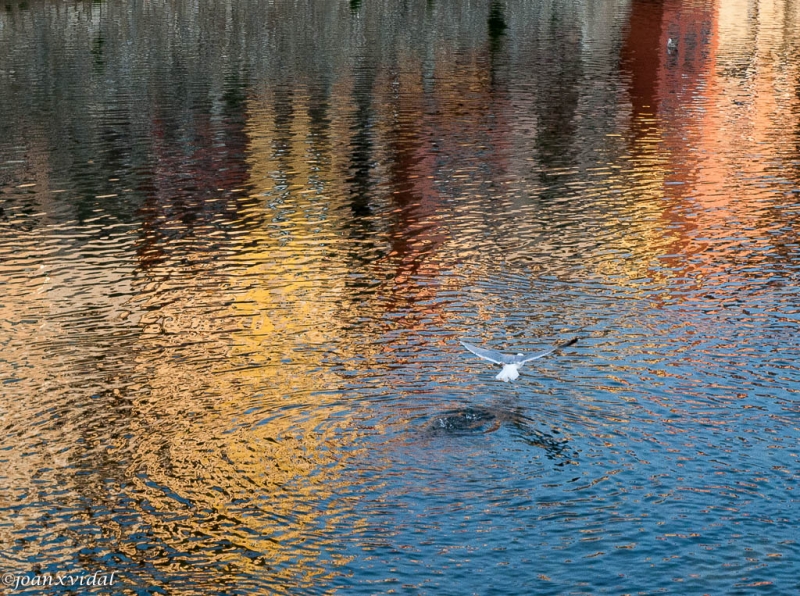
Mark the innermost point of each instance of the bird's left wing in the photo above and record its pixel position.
(526, 358)
(489, 355)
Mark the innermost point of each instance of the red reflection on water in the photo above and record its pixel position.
(686, 87)
(191, 180)
(435, 135)
(714, 130)
(641, 58)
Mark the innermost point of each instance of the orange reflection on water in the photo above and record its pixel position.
(709, 111)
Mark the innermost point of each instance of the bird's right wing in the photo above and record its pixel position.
(489, 355)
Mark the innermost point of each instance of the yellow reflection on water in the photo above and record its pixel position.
(245, 430)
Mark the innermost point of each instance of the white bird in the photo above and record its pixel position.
(672, 46)
(511, 363)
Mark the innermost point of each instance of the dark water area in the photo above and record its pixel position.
(240, 242)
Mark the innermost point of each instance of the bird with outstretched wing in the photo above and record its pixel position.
(512, 362)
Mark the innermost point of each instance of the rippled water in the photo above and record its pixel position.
(239, 243)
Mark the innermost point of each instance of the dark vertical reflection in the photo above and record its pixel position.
(97, 50)
(558, 56)
(283, 136)
(496, 25)
(361, 154)
(496, 122)
(319, 121)
(641, 61)
(361, 150)
(200, 167)
(414, 234)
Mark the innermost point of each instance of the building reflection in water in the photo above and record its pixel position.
(715, 91)
(210, 370)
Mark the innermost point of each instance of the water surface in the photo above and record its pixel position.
(239, 243)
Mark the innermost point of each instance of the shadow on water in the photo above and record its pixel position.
(483, 420)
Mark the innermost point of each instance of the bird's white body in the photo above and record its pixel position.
(672, 46)
(509, 373)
